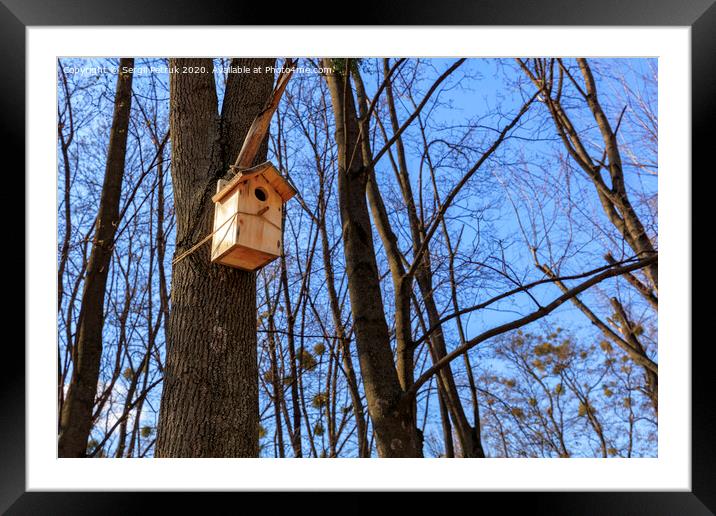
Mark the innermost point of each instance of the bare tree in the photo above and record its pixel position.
(549, 76)
(606, 170)
(77, 410)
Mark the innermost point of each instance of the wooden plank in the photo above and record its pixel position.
(246, 259)
(226, 230)
(279, 183)
(240, 177)
(273, 176)
(262, 233)
(259, 127)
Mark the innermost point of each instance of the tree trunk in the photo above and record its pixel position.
(390, 410)
(76, 416)
(468, 435)
(343, 340)
(209, 404)
(402, 285)
(296, 436)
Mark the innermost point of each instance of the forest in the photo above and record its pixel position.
(467, 265)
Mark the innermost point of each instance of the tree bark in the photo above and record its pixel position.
(390, 410)
(76, 416)
(296, 437)
(343, 341)
(209, 404)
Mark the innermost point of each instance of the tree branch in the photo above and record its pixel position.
(538, 314)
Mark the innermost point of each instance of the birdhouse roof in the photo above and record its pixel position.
(268, 171)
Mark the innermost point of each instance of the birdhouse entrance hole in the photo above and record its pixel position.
(247, 217)
(260, 194)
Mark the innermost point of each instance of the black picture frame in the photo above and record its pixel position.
(700, 15)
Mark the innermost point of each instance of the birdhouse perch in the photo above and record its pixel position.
(248, 214)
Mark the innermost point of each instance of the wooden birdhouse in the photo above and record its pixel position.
(248, 213)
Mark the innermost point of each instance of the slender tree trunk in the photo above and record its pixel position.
(629, 224)
(65, 142)
(390, 410)
(402, 284)
(209, 404)
(469, 437)
(76, 416)
(614, 197)
(275, 373)
(627, 329)
(447, 427)
(296, 437)
(161, 240)
(343, 341)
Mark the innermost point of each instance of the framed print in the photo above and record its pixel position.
(249, 241)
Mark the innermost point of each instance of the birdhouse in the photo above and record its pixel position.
(248, 213)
